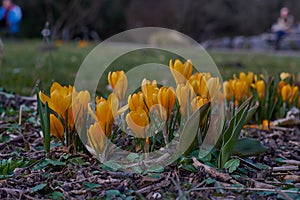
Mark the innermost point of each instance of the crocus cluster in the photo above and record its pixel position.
(68, 108)
(192, 92)
(275, 95)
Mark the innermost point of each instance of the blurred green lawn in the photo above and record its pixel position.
(25, 62)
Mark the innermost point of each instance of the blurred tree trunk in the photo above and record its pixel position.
(76, 15)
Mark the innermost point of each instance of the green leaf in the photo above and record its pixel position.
(232, 133)
(248, 147)
(137, 169)
(47, 130)
(112, 193)
(40, 109)
(132, 156)
(156, 169)
(88, 185)
(39, 187)
(189, 131)
(208, 181)
(232, 165)
(78, 161)
(153, 175)
(57, 195)
(48, 162)
(55, 162)
(189, 168)
(111, 165)
(251, 112)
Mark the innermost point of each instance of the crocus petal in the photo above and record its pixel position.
(56, 127)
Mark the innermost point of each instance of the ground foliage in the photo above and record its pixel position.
(25, 173)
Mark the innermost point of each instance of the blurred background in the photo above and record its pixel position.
(199, 19)
(236, 33)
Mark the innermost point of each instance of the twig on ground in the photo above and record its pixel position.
(285, 168)
(33, 99)
(153, 187)
(245, 162)
(246, 189)
(13, 191)
(214, 173)
(20, 115)
(291, 162)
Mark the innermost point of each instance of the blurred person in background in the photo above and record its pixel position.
(283, 26)
(10, 17)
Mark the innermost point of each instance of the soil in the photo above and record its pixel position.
(272, 175)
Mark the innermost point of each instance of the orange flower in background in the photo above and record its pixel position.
(185, 94)
(59, 43)
(138, 121)
(56, 127)
(82, 44)
(265, 124)
(166, 99)
(118, 81)
(60, 99)
(150, 91)
(181, 71)
(96, 137)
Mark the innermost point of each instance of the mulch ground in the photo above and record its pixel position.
(272, 175)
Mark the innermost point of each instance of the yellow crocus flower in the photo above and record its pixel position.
(60, 99)
(181, 71)
(198, 102)
(240, 90)
(138, 121)
(280, 86)
(136, 100)
(284, 75)
(250, 78)
(56, 127)
(199, 84)
(260, 88)
(79, 108)
(294, 94)
(184, 93)
(104, 115)
(286, 92)
(166, 100)
(242, 76)
(118, 81)
(213, 85)
(228, 91)
(150, 91)
(96, 137)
